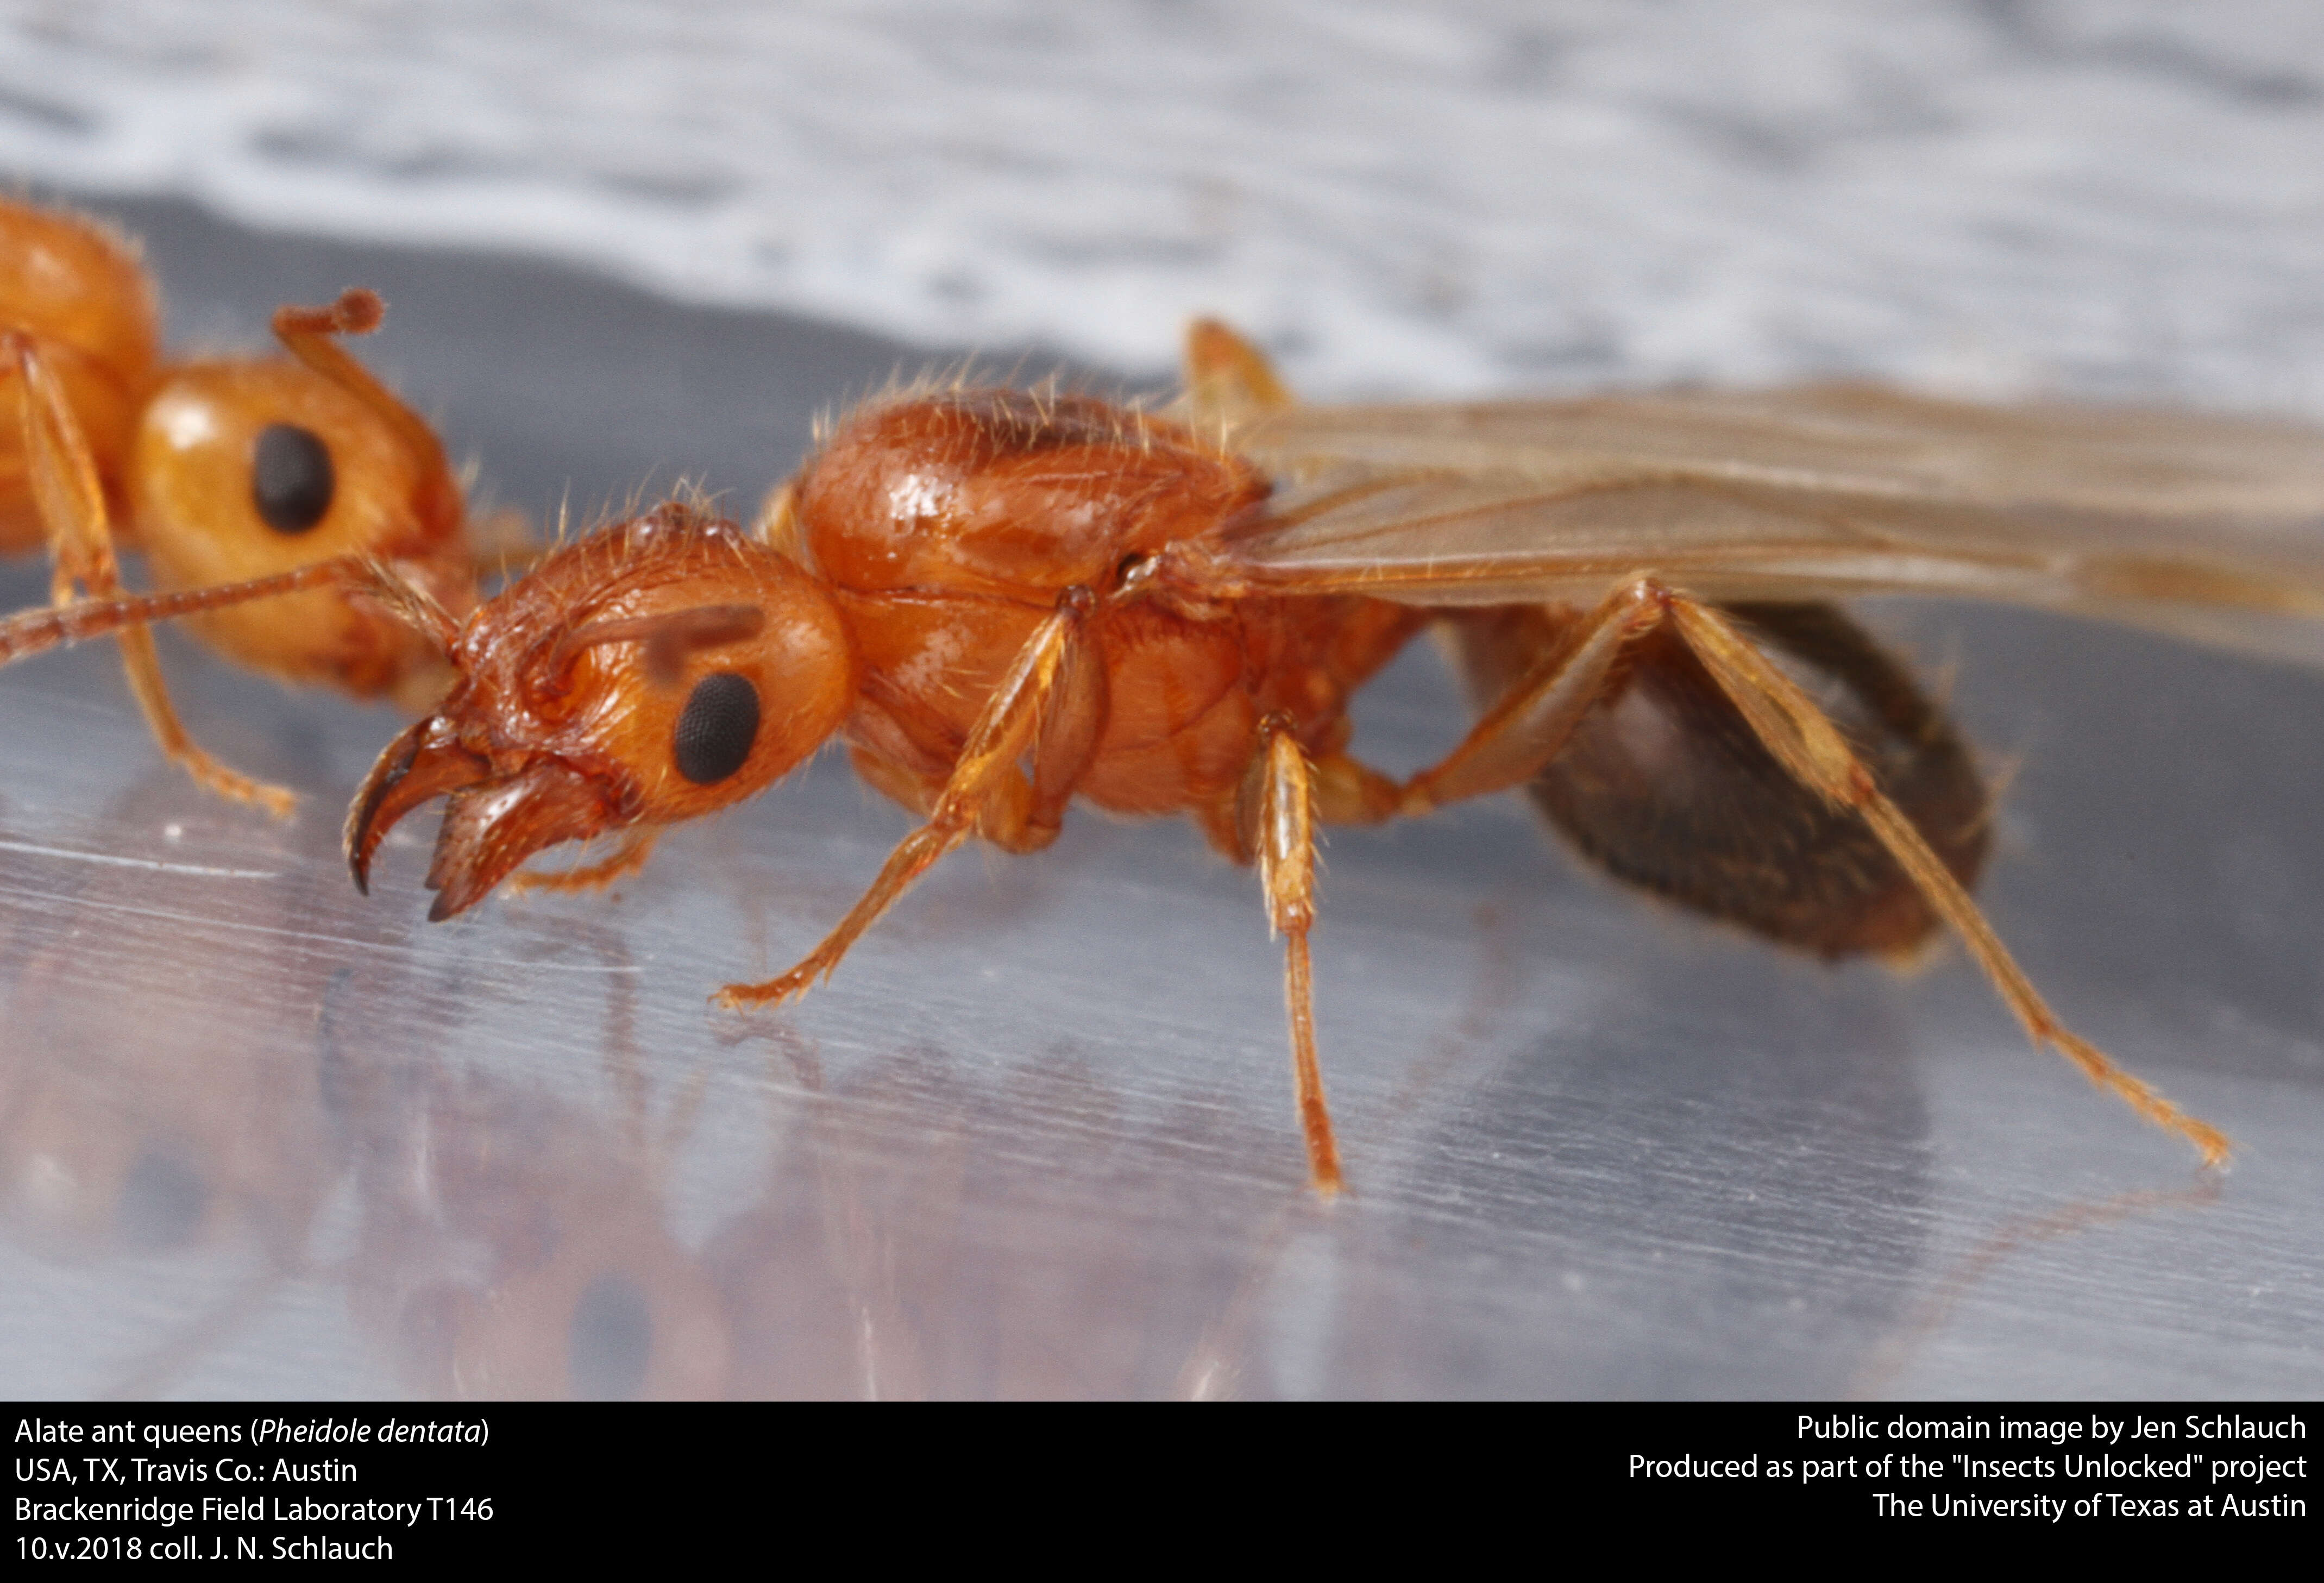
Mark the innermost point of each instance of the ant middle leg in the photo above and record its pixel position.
(1507, 746)
(1804, 741)
(1275, 820)
(1536, 716)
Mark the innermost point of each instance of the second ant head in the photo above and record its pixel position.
(244, 469)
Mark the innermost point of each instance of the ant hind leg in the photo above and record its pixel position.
(1807, 744)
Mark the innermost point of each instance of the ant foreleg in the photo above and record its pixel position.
(72, 503)
(1044, 704)
(1808, 745)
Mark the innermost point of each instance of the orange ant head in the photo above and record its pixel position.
(244, 469)
(651, 674)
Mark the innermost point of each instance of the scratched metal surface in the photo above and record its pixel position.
(260, 1136)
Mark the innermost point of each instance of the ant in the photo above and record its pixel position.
(1002, 601)
(218, 471)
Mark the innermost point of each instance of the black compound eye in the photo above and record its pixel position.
(291, 479)
(715, 733)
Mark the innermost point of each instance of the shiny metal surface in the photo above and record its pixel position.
(262, 1137)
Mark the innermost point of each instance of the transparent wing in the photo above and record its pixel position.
(2209, 527)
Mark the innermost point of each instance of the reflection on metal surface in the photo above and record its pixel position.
(518, 1156)
(512, 1243)
(130, 1130)
(903, 1262)
(106, 860)
(1895, 1353)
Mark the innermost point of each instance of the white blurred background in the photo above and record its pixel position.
(2109, 196)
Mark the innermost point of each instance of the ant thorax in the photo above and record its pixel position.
(949, 526)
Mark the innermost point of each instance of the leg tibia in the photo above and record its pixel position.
(1278, 816)
(1807, 744)
(1533, 720)
(70, 499)
(986, 787)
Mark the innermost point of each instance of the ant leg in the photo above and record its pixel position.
(72, 503)
(1275, 816)
(1509, 745)
(1073, 717)
(627, 858)
(1229, 381)
(1807, 744)
(778, 527)
(986, 774)
(1349, 791)
(502, 545)
(62, 473)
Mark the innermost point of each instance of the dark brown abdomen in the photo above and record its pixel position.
(1666, 785)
